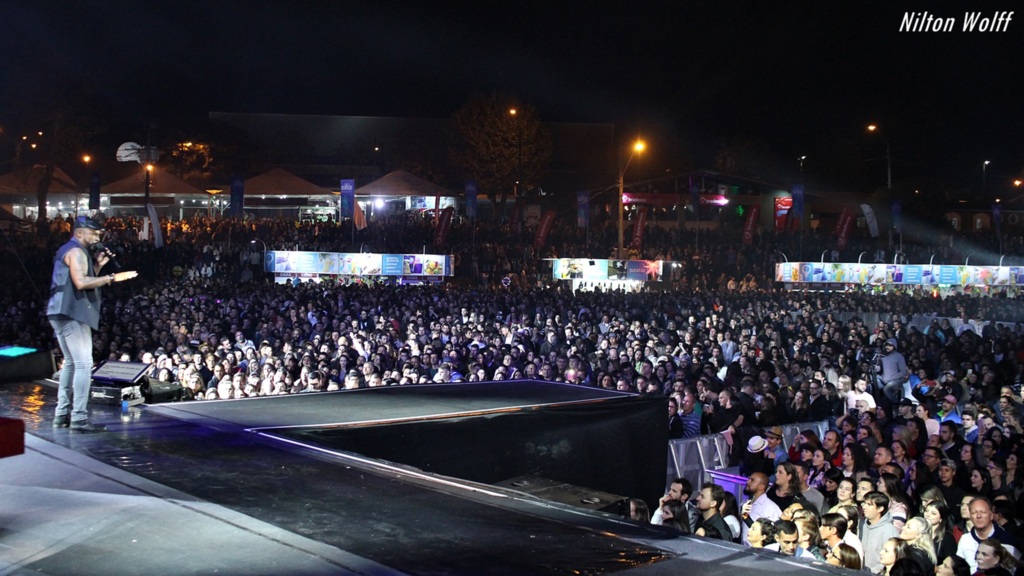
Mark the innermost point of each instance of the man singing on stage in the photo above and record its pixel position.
(74, 312)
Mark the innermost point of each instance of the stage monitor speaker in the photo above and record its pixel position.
(117, 382)
(18, 364)
(157, 391)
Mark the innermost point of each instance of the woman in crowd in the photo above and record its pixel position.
(731, 514)
(674, 515)
(899, 452)
(844, 556)
(899, 506)
(799, 411)
(761, 533)
(830, 486)
(638, 511)
(953, 566)
(894, 549)
(917, 533)
(937, 514)
(819, 466)
(809, 538)
(994, 559)
(1012, 476)
(964, 524)
(786, 489)
(981, 483)
(997, 475)
(845, 495)
(968, 461)
(855, 461)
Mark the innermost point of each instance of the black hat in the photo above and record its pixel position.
(86, 222)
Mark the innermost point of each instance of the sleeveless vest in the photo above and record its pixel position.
(65, 300)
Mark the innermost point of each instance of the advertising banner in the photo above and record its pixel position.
(783, 212)
(843, 228)
(347, 199)
(638, 228)
(544, 229)
(750, 224)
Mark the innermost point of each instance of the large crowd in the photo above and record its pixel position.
(732, 351)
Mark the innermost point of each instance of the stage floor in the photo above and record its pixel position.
(259, 505)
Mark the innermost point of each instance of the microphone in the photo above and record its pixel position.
(100, 247)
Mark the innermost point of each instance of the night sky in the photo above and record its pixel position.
(800, 77)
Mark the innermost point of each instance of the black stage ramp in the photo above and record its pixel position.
(389, 514)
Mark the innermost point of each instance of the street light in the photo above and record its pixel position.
(85, 159)
(984, 169)
(638, 147)
(149, 169)
(801, 159)
(888, 157)
(519, 149)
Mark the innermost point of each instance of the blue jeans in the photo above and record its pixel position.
(75, 339)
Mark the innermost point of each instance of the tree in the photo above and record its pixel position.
(496, 146)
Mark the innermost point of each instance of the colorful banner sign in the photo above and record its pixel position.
(357, 264)
(591, 269)
(898, 274)
(783, 211)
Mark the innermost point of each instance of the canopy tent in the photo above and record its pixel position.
(402, 183)
(280, 182)
(18, 191)
(25, 180)
(161, 183)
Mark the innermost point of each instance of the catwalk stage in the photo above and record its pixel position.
(437, 479)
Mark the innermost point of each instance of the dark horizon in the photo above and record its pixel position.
(784, 81)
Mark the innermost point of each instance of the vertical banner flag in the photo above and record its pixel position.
(798, 204)
(437, 207)
(358, 216)
(843, 228)
(544, 229)
(869, 217)
(347, 199)
(748, 227)
(897, 217)
(471, 199)
(783, 212)
(997, 219)
(94, 191)
(638, 228)
(444, 222)
(158, 236)
(237, 196)
(582, 209)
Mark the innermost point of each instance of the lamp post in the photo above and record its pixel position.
(85, 159)
(638, 146)
(888, 157)
(801, 159)
(149, 169)
(984, 170)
